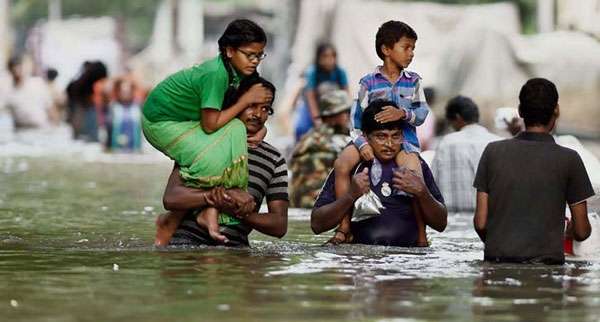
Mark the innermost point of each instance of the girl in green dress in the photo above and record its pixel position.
(184, 117)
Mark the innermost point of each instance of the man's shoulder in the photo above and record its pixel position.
(267, 151)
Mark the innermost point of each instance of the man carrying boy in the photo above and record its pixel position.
(524, 183)
(396, 225)
(395, 45)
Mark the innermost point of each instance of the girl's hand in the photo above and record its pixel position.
(257, 94)
(254, 141)
(390, 114)
(366, 152)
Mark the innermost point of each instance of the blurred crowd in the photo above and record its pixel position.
(96, 106)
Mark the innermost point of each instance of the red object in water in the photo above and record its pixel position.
(567, 241)
(568, 245)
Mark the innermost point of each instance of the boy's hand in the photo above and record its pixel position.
(366, 152)
(254, 141)
(390, 114)
(257, 94)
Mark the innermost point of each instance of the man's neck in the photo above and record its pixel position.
(538, 129)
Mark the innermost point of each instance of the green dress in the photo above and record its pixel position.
(171, 122)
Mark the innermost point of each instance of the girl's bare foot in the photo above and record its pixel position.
(208, 218)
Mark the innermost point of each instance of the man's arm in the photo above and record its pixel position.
(481, 213)
(328, 216)
(434, 212)
(177, 196)
(272, 223)
(580, 221)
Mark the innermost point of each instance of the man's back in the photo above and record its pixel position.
(529, 180)
(455, 164)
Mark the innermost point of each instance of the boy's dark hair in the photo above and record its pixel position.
(369, 124)
(250, 81)
(238, 33)
(463, 106)
(537, 100)
(390, 33)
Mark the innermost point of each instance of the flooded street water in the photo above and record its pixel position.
(76, 231)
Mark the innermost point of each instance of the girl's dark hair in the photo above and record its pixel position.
(369, 124)
(390, 33)
(238, 33)
(537, 100)
(250, 81)
(321, 48)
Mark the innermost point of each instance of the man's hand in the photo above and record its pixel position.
(409, 181)
(234, 202)
(390, 114)
(514, 126)
(366, 152)
(361, 183)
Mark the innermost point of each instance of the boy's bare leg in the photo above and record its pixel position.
(411, 161)
(166, 224)
(344, 163)
(209, 219)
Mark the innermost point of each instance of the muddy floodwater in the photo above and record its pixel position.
(75, 245)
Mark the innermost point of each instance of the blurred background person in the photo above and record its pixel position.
(457, 155)
(58, 96)
(29, 100)
(322, 77)
(313, 156)
(427, 132)
(124, 117)
(87, 101)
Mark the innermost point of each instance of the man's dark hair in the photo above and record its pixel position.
(537, 100)
(369, 124)
(390, 33)
(463, 106)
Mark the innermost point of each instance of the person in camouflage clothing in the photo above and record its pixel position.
(315, 152)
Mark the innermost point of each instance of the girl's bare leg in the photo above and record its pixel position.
(166, 224)
(208, 218)
(412, 162)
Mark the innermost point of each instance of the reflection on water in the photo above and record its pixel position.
(75, 242)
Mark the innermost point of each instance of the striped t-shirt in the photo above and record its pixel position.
(268, 180)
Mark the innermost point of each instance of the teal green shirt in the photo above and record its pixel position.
(181, 96)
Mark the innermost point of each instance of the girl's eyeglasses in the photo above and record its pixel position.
(252, 56)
